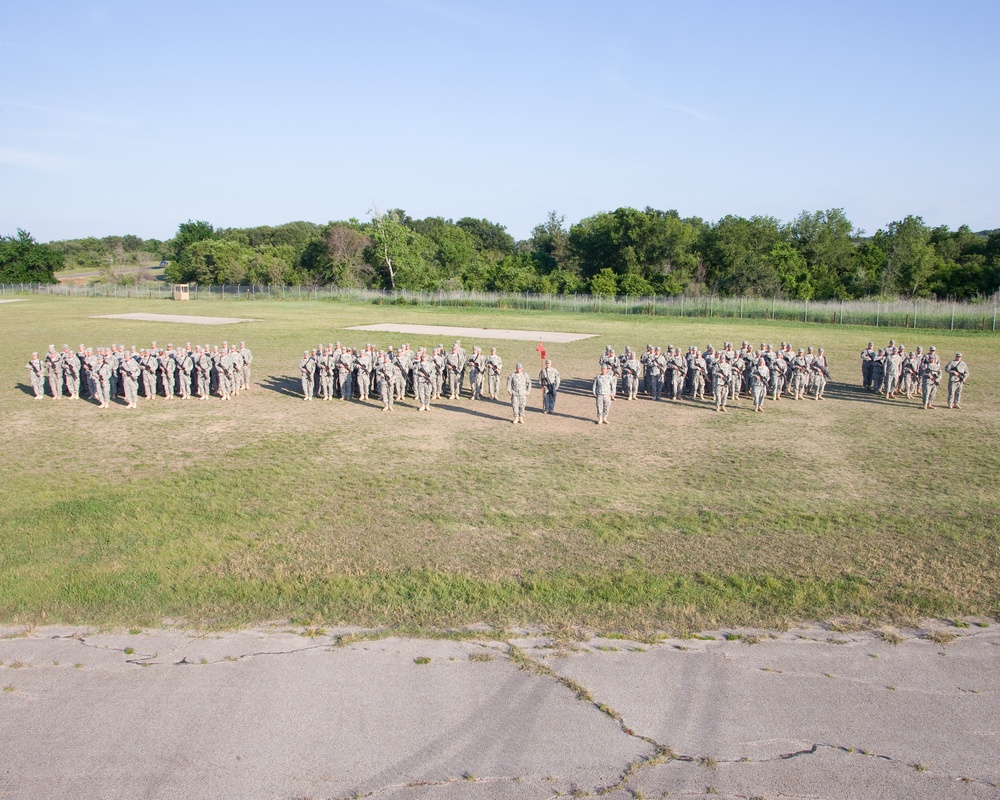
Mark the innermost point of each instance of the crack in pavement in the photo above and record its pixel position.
(664, 753)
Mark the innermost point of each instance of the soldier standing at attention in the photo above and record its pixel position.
(931, 376)
(800, 375)
(185, 364)
(438, 360)
(958, 374)
(237, 359)
(549, 380)
(759, 380)
(345, 373)
(203, 365)
(677, 369)
(698, 371)
(722, 372)
(54, 371)
(423, 378)
(71, 372)
(169, 369)
(655, 365)
(364, 368)
(477, 366)
(630, 374)
(247, 361)
(387, 376)
(868, 356)
(820, 370)
(463, 357)
(307, 371)
(35, 372)
(494, 365)
(602, 389)
(129, 371)
(102, 378)
(454, 365)
(518, 387)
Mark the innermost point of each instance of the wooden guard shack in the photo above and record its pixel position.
(181, 291)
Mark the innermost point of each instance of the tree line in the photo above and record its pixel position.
(816, 256)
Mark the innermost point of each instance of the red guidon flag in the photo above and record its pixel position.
(541, 350)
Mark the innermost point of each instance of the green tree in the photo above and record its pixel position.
(635, 286)
(188, 233)
(400, 255)
(604, 283)
(514, 273)
(488, 236)
(23, 260)
(549, 243)
(910, 258)
(829, 243)
(735, 250)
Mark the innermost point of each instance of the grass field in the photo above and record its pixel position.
(671, 518)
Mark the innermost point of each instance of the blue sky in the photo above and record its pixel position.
(133, 117)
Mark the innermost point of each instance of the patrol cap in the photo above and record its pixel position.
(958, 355)
(933, 348)
(518, 365)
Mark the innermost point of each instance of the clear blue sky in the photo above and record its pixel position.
(125, 117)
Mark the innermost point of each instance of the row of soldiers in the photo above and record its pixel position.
(891, 369)
(338, 371)
(105, 373)
(726, 372)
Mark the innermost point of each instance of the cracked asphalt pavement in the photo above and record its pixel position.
(278, 713)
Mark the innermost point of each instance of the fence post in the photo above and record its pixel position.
(953, 316)
(914, 315)
(878, 310)
(994, 317)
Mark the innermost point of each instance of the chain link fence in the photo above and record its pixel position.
(934, 314)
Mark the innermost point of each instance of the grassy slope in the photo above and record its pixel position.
(671, 517)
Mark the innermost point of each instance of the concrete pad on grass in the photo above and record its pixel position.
(475, 335)
(184, 318)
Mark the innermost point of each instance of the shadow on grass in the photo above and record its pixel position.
(283, 384)
(26, 389)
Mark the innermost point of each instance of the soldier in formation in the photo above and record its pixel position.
(891, 370)
(106, 373)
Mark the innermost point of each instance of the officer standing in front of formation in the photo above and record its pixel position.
(958, 374)
(518, 387)
(36, 372)
(548, 378)
(930, 375)
(602, 389)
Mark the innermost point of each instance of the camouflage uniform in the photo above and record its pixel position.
(602, 389)
(518, 387)
(958, 374)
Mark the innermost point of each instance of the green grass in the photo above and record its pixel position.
(671, 518)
